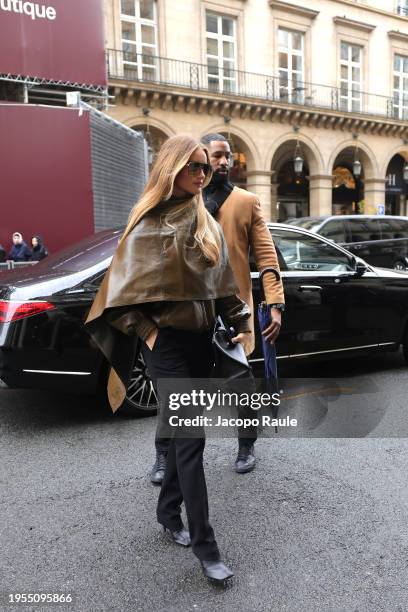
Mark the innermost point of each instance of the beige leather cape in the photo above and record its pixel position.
(157, 261)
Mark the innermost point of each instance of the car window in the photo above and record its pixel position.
(308, 253)
(363, 230)
(393, 228)
(281, 261)
(334, 230)
(309, 224)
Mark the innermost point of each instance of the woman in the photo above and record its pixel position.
(39, 251)
(169, 278)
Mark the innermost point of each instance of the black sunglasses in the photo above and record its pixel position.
(194, 168)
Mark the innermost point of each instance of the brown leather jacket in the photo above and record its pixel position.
(198, 315)
(159, 278)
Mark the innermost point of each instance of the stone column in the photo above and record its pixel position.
(259, 182)
(374, 193)
(274, 201)
(320, 194)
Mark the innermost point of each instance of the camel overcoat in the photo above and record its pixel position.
(245, 228)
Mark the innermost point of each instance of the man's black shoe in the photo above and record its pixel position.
(217, 572)
(245, 461)
(157, 473)
(179, 536)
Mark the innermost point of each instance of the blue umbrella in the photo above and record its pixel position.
(269, 350)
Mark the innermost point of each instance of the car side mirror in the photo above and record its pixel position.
(359, 268)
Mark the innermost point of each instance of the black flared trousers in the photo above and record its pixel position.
(184, 354)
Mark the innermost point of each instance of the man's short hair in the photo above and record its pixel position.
(213, 136)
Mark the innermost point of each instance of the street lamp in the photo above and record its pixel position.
(298, 165)
(298, 160)
(405, 172)
(357, 168)
(356, 162)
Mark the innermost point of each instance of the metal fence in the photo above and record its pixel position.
(157, 70)
(13, 265)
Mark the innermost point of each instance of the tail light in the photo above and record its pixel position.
(14, 311)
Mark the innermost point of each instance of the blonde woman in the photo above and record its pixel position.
(168, 280)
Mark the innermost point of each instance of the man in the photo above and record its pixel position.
(240, 216)
(19, 251)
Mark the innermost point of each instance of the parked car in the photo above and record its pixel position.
(337, 305)
(379, 240)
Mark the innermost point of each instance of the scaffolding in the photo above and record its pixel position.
(39, 90)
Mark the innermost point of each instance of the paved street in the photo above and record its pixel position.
(320, 525)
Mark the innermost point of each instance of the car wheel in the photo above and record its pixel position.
(399, 265)
(141, 399)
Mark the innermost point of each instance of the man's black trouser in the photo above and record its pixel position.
(182, 354)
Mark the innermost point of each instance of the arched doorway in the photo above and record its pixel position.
(154, 138)
(293, 192)
(290, 190)
(348, 188)
(395, 188)
(239, 164)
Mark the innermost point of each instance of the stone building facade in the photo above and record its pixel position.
(326, 81)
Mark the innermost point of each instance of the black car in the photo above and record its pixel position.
(336, 305)
(381, 240)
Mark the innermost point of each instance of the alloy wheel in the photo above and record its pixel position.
(140, 393)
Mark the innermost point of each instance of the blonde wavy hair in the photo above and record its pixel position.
(171, 159)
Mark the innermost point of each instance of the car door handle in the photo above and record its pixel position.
(309, 288)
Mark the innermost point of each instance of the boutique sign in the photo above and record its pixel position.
(57, 40)
(31, 9)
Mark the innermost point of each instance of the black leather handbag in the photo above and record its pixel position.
(230, 359)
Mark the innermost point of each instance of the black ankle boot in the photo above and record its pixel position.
(157, 473)
(178, 536)
(245, 461)
(217, 572)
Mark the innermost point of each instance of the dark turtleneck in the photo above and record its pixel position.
(216, 193)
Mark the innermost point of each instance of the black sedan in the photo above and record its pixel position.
(337, 305)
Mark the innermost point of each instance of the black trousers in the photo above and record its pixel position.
(246, 437)
(182, 354)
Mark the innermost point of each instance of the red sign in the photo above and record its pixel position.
(60, 40)
(46, 174)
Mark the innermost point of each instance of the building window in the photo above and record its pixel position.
(350, 77)
(400, 87)
(291, 65)
(221, 52)
(402, 7)
(139, 36)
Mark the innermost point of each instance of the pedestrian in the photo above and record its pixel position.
(20, 250)
(168, 280)
(39, 250)
(240, 216)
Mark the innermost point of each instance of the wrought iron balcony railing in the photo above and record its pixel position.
(402, 9)
(155, 70)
